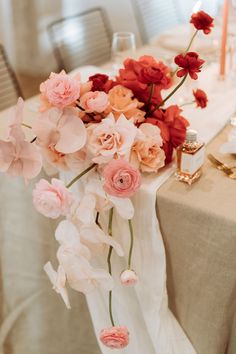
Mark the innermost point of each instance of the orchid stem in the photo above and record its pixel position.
(109, 265)
(171, 94)
(131, 243)
(81, 175)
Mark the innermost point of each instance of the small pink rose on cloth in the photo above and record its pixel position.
(128, 277)
(60, 90)
(52, 200)
(94, 101)
(121, 179)
(58, 279)
(115, 337)
(19, 157)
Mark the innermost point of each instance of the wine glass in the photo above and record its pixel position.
(123, 46)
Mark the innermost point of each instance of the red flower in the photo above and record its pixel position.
(190, 63)
(200, 98)
(202, 21)
(137, 75)
(101, 82)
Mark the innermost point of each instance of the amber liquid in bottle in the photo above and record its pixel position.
(190, 158)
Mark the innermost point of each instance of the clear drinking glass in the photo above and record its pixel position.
(123, 46)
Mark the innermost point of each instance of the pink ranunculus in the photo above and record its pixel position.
(115, 337)
(52, 200)
(121, 179)
(94, 101)
(60, 90)
(19, 157)
(128, 277)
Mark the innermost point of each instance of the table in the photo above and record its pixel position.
(201, 262)
(209, 331)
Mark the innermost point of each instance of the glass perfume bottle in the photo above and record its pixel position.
(190, 158)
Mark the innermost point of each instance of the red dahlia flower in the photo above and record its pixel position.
(190, 63)
(200, 98)
(202, 21)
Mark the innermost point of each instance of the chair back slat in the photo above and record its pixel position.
(155, 16)
(83, 39)
(9, 86)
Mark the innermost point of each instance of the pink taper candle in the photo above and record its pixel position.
(224, 38)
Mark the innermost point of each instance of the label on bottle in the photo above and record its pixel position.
(191, 163)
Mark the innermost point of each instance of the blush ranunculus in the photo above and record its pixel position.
(121, 179)
(115, 337)
(94, 101)
(202, 21)
(200, 98)
(146, 152)
(190, 63)
(52, 200)
(60, 90)
(128, 277)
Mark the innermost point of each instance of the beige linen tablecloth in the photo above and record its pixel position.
(198, 225)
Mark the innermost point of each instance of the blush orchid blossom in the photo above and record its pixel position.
(105, 137)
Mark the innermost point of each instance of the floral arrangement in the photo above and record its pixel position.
(112, 131)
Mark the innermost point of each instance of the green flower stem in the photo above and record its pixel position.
(81, 175)
(191, 41)
(109, 265)
(187, 49)
(131, 243)
(150, 96)
(170, 94)
(26, 125)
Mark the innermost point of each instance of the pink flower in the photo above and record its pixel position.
(60, 90)
(146, 152)
(128, 277)
(52, 200)
(115, 337)
(94, 101)
(17, 156)
(110, 138)
(121, 179)
(61, 130)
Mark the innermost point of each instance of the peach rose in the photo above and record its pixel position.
(122, 101)
(128, 277)
(121, 179)
(115, 337)
(60, 90)
(146, 152)
(52, 200)
(110, 138)
(94, 101)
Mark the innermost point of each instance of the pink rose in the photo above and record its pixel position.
(96, 101)
(115, 337)
(121, 179)
(146, 152)
(110, 138)
(128, 277)
(60, 90)
(52, 200)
